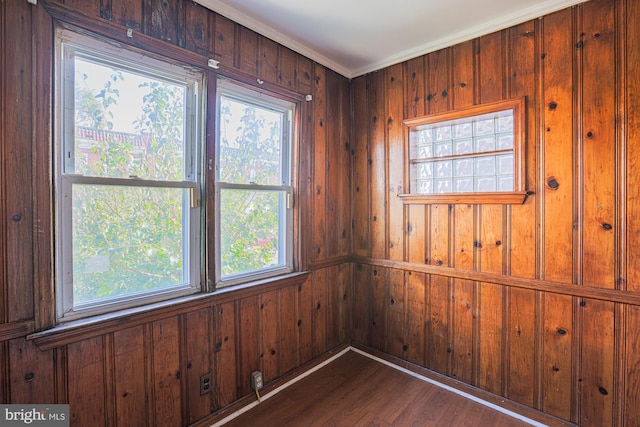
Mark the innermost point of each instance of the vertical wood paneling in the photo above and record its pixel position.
(462, 243)
(198, 342)
(4, 369)
(598, 148)
(42, 144)
(557, 169)
(269, 335)
(632, 367)
(85, 368)
(130, 381)
(438, 86)
(491, 338)
(462, 74)
(557, 366)
(395, 165)
(378, 172)
(305, 322)
(87, 7)
(345, 303)
(360, 310)
(304, 73)
(224, 40)
(319, 312)
(164, 21)
(522, 335)
(149, 374)
(166, 372)
(225, 355)
(3, 213)
(437, 225)
(523, 57)
(339, 299)
(568, 74)
(127, 13)
(196, 28)
(248, 54)
(334, 174)
(596, 378)
(415, 315)
(438, 348)
(344, 165)
(395, 308)
(249, 349)
(17, 130)
(288, 312)
(267, 60)
(489, 246)
(360, 216)
(523, 305)
(633, 146)
(320, 167)
(415, 250)
(31, 373)
(378, 327)
(287, 68)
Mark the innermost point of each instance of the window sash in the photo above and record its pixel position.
(229, 90)
(69, 46)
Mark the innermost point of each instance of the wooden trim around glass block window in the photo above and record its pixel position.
(519, 193)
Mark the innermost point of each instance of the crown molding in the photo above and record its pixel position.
(498, 24)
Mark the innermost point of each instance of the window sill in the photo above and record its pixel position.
(81, 329)
(493, 198)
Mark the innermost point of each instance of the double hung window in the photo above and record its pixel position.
(127, 178)
(253, 184)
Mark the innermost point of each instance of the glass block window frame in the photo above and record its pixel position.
(474, 155)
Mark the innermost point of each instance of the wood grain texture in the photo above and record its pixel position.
(527, 343)
(320, 190)
(597, 38)
(632, 97)
(146, 369)
(376, 93)
(130, 386)
(355, 390)
(360, 154)
(505, 317)
(395, 164)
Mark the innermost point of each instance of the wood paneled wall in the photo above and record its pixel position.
(539, 302)
(144, 369)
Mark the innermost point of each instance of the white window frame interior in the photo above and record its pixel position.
(237, 92)
(70, 45)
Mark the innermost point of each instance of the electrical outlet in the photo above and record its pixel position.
(256, 380)
(205, 383)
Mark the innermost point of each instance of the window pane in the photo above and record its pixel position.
(127, 124)
(127, 240)
(251, 234)
(250, 143)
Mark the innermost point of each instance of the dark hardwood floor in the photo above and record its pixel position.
(355, 390)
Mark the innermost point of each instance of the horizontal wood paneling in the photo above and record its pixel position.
(532, 302)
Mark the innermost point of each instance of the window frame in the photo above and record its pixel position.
(519, 193)
(242, 92)
(69, 45)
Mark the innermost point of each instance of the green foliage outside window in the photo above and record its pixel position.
(127, 239)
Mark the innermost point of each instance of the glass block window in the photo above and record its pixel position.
(477, 150)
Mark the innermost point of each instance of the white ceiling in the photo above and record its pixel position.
(354, 37)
